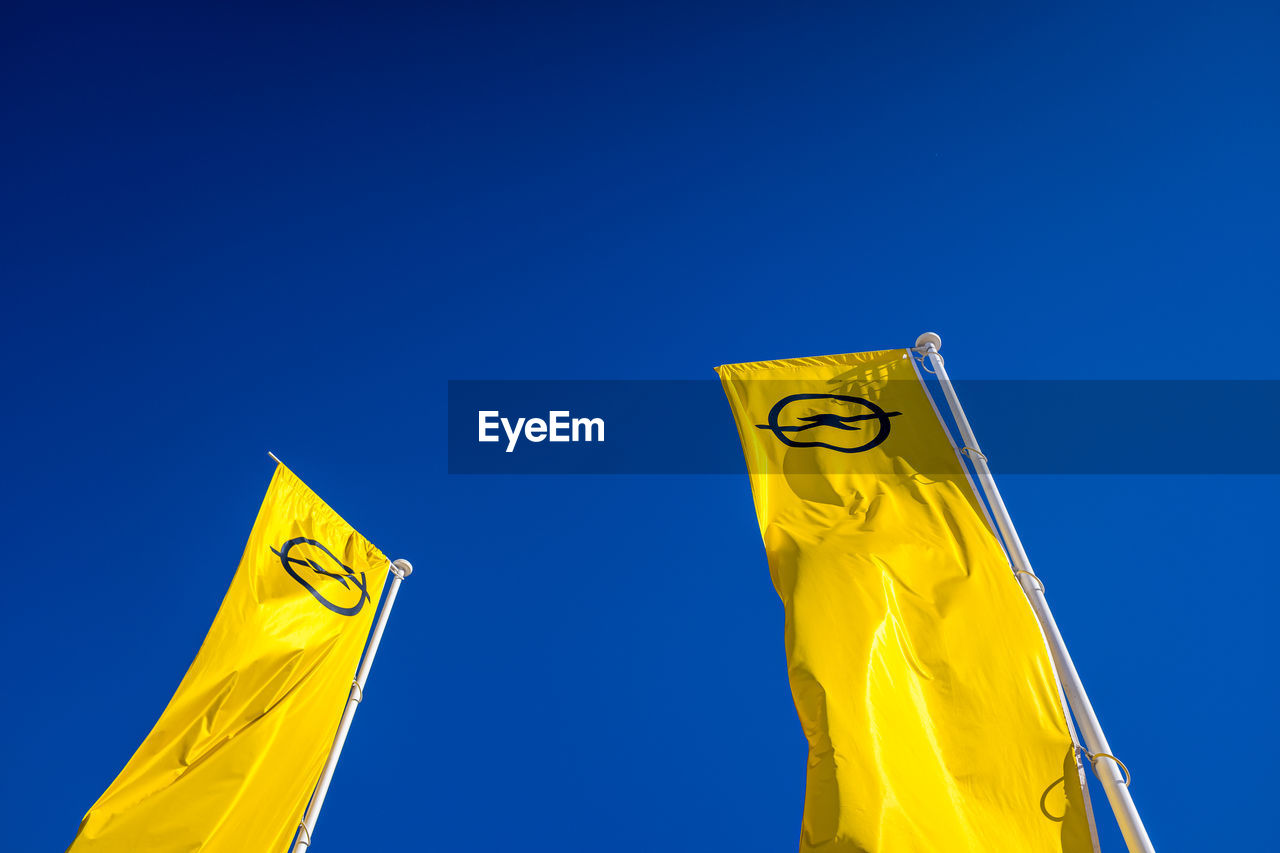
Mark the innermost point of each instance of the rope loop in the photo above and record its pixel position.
(1093, 760)
(1031, 574)
(974, 453)
(357, 691)
(923, 358)
(305, 833)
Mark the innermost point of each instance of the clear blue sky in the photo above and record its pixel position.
(234, 229)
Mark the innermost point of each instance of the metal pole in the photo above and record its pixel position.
(401, 569)
(1105, 765)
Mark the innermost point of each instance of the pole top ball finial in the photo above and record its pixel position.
(403, 568)
(927, 338)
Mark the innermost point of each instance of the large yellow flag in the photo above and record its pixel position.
(231, 763)
(922, 681)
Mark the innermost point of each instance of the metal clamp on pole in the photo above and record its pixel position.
(1113, 781)
(401, 569)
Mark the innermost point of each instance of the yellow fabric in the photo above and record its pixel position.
(232, 761)
(919, 672)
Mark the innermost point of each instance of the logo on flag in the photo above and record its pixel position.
(855, 423)
(316, 563)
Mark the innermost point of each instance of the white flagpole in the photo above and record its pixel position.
(1105, 765)
(401, 569)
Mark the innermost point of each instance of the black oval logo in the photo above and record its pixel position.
(785, 424)
(315, 561)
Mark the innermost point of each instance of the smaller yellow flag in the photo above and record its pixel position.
(232, 761)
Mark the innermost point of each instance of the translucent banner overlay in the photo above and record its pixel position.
(1025, 427)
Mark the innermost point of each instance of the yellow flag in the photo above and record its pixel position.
(924, 686)
(232, 761)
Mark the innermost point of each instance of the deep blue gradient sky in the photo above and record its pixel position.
(229, 229)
